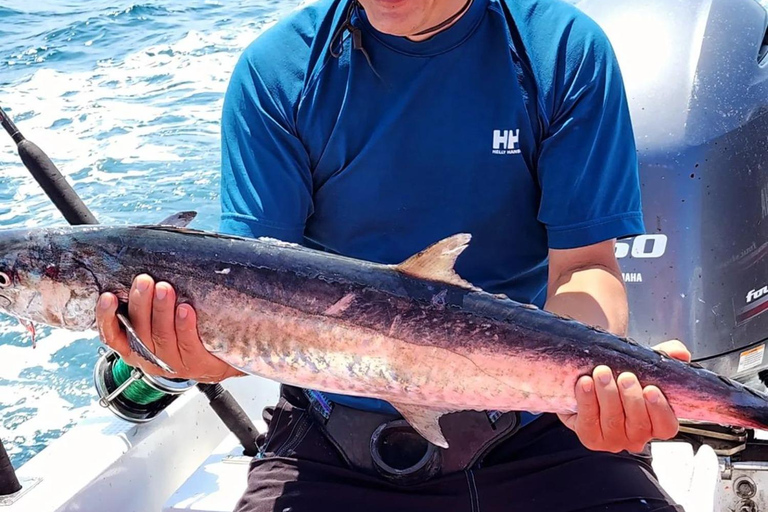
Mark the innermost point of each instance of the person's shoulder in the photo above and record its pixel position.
(557, 27)
(298, 30)
(562, 43)
(289, 49)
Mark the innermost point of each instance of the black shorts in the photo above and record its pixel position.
(542, 468)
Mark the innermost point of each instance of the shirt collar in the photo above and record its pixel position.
(441, 42)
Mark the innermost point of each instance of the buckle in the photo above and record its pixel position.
(402, 456)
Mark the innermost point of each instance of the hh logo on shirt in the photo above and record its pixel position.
(505, 142)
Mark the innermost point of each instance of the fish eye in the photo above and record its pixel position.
(5, 280)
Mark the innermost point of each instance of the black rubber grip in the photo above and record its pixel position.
(9, 484)
(233, 416)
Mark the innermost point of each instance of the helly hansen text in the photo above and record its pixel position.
(506, 142)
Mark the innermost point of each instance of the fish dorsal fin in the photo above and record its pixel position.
(178, 220)
(436, 262)
(424, 421)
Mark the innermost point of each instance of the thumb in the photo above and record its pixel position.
(674, 349)
(569, 420)
(108, 325)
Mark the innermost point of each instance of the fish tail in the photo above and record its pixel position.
(752, 409)
(757, 418)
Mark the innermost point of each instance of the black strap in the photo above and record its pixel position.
(471, 434)
(357, 38)
(447, 22)
(527, 83)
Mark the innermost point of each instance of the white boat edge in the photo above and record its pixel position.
(106, 463)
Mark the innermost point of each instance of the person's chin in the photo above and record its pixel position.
(391, 28)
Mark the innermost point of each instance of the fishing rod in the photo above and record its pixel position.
(48, 176)
(128, 392)
(9, 482)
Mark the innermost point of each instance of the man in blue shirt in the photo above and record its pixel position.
(374, 129)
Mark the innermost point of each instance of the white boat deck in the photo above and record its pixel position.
(105, 463)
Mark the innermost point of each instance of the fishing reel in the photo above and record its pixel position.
(130, 393)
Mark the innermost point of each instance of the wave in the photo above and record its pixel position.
(45, 391)
(89, 35)
(140, 10)
(7, 12)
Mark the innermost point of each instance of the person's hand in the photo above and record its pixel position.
(614, 415)
(168, 331)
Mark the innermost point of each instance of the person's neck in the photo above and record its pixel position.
(445, 24)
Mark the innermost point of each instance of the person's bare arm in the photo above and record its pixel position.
(614, 414)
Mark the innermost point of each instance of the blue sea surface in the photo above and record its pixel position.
(125, 98)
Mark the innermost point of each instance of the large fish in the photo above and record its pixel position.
(415, 334)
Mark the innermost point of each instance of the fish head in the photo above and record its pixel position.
(42, 280)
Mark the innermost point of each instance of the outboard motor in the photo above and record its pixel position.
(696, 75)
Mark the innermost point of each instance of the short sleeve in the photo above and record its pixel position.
(266, 184)
(587, 166)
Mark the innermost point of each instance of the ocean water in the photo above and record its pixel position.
(125, 98)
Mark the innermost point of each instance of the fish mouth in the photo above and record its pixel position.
(6, 304)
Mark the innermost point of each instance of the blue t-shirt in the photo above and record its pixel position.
(512, 125)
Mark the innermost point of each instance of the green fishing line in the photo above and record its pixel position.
(139, 392)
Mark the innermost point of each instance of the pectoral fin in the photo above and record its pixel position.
(424, 421)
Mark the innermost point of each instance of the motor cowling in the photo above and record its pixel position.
(696, 76)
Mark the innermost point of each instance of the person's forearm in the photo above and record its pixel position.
(593, 295)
